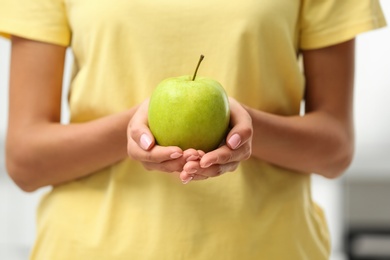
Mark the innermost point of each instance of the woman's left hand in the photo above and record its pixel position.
(141, 146)
(238, 147)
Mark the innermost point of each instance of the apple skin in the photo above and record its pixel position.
(189, 114)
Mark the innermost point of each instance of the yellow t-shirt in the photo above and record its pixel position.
(122, 50)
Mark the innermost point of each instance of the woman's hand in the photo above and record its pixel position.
(238, 147)
(142, 147)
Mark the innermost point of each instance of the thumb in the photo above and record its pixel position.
(138, 129)
(241, 125)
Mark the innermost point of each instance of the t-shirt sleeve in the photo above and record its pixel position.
(40, 20)
(328, 22)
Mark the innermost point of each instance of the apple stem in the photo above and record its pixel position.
(197, 67)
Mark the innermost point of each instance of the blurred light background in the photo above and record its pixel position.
(357, 205)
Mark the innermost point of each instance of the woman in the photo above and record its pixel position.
(104, 205)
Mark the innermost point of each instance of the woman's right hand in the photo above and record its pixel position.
(141, 146)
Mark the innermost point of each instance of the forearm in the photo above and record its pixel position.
(314, 143)
(47, 153)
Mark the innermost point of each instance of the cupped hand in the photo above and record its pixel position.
(141, 146)
(238, 147)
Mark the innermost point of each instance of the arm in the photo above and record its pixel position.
(321, 141)
(39, 150)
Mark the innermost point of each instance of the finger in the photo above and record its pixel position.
(224, 154)
(199, 178)
(217, 170)
(167, 166)
(172, 165)
(186, 177)
(157, 154)
(191, 167)
(241, 124)
(229, 167)
(201, 153)
(191, 155)
(212, 171)
(138, 129)
(189, 170)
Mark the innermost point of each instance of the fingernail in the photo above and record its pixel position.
(201, 153)
(234, 141)
(207, 165)
(192, 158)
(187, 180)
(145, 141)
(192, 171)
(176, 155)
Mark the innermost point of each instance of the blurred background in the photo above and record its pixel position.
(357, 205)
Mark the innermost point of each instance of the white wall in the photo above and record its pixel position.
(372, 101)
(17, 209)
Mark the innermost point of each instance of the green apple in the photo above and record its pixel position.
(189, 112)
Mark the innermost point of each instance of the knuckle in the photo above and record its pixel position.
(130, 152)
(149, 157)
(135, 132)
(169, 167)
(248, 132)
(225, 157)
